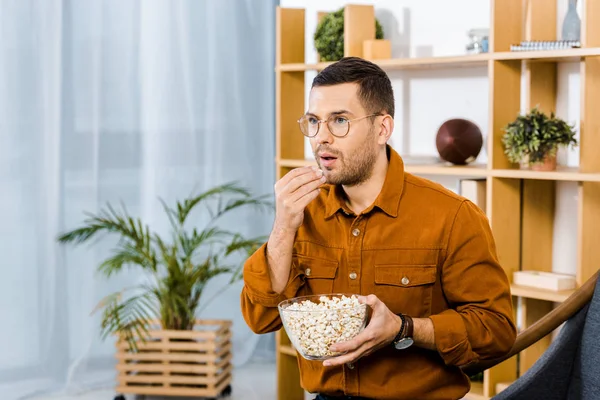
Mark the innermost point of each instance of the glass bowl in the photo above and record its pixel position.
(313, 323)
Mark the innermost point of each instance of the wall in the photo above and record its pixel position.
(425, 99)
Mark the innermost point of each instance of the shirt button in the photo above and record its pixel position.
(356, 231)
(405, 281)
(353, 275)
(307, 272)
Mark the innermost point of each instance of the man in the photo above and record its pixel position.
(423, 257)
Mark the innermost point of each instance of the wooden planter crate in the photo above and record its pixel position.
(178, 363)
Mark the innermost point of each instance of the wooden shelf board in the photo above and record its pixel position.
(474, 170)
(540, 294)
(288, 350)
(561, 174)
(571, 174)
(566, 55)
(459, 61)
(403, 63)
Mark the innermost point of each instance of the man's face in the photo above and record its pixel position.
(347, 160)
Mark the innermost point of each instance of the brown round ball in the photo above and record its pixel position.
(459, 141)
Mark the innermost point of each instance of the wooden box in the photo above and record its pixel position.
(377, 49)
(178, 363)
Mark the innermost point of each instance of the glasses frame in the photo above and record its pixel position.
(326, 121)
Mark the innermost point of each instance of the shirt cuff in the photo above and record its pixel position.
(258, 281)
(451, 339)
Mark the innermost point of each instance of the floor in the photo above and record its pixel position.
(250, 382)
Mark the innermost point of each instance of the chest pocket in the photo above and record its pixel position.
(406, 289)
(318, 273)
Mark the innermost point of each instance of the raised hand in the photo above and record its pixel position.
(293, 193)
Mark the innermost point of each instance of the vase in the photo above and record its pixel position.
(547, 164)
(571, 28)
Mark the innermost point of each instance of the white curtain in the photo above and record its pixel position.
(118, 101)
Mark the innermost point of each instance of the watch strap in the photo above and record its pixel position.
(409, 326)
(400, 333)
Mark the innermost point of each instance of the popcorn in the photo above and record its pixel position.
(314, 327)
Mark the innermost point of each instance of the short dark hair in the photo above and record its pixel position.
(375, 89)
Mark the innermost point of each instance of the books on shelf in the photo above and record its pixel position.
(537, 45)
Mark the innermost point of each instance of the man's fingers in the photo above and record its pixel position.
(348, 357)
(300, 181)
(306, 189)
(363, 338)
(296, 172)
(371, 300)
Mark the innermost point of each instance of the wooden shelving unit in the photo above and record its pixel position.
(520, 204)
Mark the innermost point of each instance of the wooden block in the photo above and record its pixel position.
(544, 280)
(377, 49)
(359, 25)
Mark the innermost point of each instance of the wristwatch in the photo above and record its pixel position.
(404, 338)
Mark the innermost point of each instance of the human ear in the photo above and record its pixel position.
(386, 127)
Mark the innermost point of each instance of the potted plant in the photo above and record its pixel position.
(156, 323)
(533, 139)
(329, 36)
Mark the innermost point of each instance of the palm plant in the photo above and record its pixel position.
(179, 268)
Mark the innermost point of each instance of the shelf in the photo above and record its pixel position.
(461, 61)
(566, 55)
(288, 350)
(404, 63)
(474, 170)
(540, 294)
(561, 174)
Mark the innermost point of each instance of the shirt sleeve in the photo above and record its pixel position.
(480, 322)
(258, 300)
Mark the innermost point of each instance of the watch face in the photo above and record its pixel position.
(403, 343)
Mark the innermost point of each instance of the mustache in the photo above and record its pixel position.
(320, 149)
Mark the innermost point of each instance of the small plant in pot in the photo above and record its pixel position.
(533, 139)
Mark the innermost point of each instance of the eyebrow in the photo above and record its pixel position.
(338, 112)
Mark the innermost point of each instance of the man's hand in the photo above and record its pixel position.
(293, 192)
(381, 331)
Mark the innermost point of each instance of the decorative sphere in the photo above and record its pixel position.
(459, 141)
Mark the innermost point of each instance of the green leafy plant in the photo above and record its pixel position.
(179, 268)
(535, 135)
(329, 36)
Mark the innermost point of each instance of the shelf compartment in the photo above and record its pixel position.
(540, 294)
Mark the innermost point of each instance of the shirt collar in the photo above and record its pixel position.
(389, 198)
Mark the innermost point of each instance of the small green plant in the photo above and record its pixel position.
(535, 136)
(329, 36)
(179, 268)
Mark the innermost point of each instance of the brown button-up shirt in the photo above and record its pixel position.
(425, 252)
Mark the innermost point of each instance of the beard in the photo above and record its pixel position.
(350, 169)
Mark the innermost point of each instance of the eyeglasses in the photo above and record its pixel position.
(338, 126)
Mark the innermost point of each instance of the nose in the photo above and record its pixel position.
(323, 135)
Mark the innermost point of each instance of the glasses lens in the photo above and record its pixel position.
(338, 126)
(308, 126)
